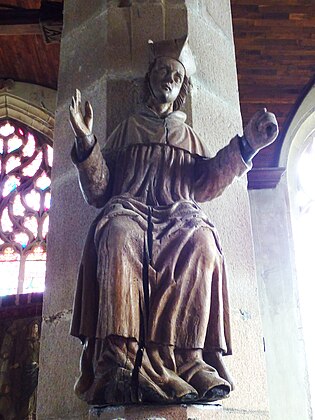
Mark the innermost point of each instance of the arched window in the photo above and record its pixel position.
(303, 218)
(25, 171)
(299, 151)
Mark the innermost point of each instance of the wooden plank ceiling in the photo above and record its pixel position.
(274, 42)
(24, 54)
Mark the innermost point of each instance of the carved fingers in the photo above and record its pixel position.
(262, 129)
(81, 125)
(88, 118)
(268, 125)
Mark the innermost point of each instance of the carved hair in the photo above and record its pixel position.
(184, 90)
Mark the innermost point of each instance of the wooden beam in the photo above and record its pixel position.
(19, 16)
(20, 29)
(46, 21)
(261, 178)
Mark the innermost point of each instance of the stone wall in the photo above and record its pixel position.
(104, 53)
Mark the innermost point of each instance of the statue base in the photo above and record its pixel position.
(158, 412)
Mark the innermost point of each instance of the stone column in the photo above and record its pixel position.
(279, 301)
(104, 53)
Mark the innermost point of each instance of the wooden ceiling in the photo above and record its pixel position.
(274, 41)
(25, 56)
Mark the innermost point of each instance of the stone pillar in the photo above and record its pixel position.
(104, 53)
(279, 301)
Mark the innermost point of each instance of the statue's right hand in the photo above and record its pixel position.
(81, 124)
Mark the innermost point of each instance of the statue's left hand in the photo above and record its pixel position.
(261, 130)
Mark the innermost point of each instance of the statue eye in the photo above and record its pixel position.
(178, 78)
(162, 69)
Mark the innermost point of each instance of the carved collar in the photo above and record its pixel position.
(145, 111)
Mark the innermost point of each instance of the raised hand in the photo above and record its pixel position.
(81, 124)
(261, 130)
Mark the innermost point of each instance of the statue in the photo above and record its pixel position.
(151, 305)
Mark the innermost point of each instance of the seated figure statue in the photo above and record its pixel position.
(151, 305)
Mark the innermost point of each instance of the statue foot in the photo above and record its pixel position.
(210, 386)
(112, 388)
(216, 393)
(118, 387)
(158, 365)
(169, 388)
(180, 391)
(203, 377)
(150, 391)
(215, 359)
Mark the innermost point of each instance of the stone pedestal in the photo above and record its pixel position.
(171, 412)
(212, 411)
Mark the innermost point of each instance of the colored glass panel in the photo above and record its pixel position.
(18, 208)
(43, 182)
(14, 143)
(33, 200)
(12, 163)
(31, 224)
(9, 277)
(45, 227)
(6, 129)
(50, 155)
(25, 167)
(29, 148)
(6, 223)
(31, 169)
(11, 183)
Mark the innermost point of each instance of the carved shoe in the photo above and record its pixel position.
(206, 380)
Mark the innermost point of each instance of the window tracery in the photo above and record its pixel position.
(25, 171)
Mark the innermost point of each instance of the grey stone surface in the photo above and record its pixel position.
(219, 14)
(98, 47)
(215, 58)
(180, 412)
(69, 222)
(215, 120)
(59, 368)
(147, 22)
(175, 20)
(124, 96)
(81, 12)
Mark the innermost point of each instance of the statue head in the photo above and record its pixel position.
(171, 65)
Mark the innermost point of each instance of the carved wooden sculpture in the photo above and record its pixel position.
(151, 305)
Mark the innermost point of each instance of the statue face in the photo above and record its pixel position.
(166, 79)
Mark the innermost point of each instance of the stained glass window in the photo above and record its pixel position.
(25, 170)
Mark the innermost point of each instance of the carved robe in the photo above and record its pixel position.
(153, 268)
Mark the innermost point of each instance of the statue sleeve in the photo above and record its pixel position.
(93, 175)
(213, 175)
